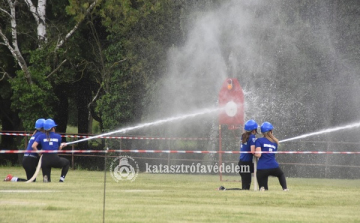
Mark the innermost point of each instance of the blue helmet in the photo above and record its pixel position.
(39, 124)
(250, 125)
(49, 123)
(266, 126)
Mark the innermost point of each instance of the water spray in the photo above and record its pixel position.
(171, 119)
(350, 126)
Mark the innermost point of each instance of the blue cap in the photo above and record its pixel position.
(250, 125)
(266, 126)
(39, 124)
(49, 123)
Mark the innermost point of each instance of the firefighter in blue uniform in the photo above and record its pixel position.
(246, 166)
(51, 141)
(267, 164)
(30, 159)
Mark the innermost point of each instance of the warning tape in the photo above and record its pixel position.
(174, 151)
(108, 137)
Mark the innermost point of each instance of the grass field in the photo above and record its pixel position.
(174, 198)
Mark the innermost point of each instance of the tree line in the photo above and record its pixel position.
(78, 61)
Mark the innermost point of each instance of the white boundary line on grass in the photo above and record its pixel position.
(136, 191)
(28, 191)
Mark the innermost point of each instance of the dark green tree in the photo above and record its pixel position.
(34, 41)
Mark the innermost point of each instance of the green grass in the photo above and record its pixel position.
(175, 198)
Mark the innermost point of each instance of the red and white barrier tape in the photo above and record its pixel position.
(173, 151)
(134, 137)
(109, 137)
(14, 134)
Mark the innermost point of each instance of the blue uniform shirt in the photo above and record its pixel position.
(51, 142)
(267, 160)
(247, 157)
(31, 141)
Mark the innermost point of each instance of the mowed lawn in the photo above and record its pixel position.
(174, 198)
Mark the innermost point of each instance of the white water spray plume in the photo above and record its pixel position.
(202, 112)
(356, 125)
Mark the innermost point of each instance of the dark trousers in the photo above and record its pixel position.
(245, 170)
(263, 176)
(29, 163)
(53, 160)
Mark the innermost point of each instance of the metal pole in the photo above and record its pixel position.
(104, 184)
(256, 185)
(220, 154)
(168, 160)
(72, 158)
(327, 160)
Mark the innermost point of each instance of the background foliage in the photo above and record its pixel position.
(119, 64)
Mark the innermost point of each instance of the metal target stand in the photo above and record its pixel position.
(231, 103)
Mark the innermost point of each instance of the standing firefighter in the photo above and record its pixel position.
(246, 165)
(51, 141)
(267, 164)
